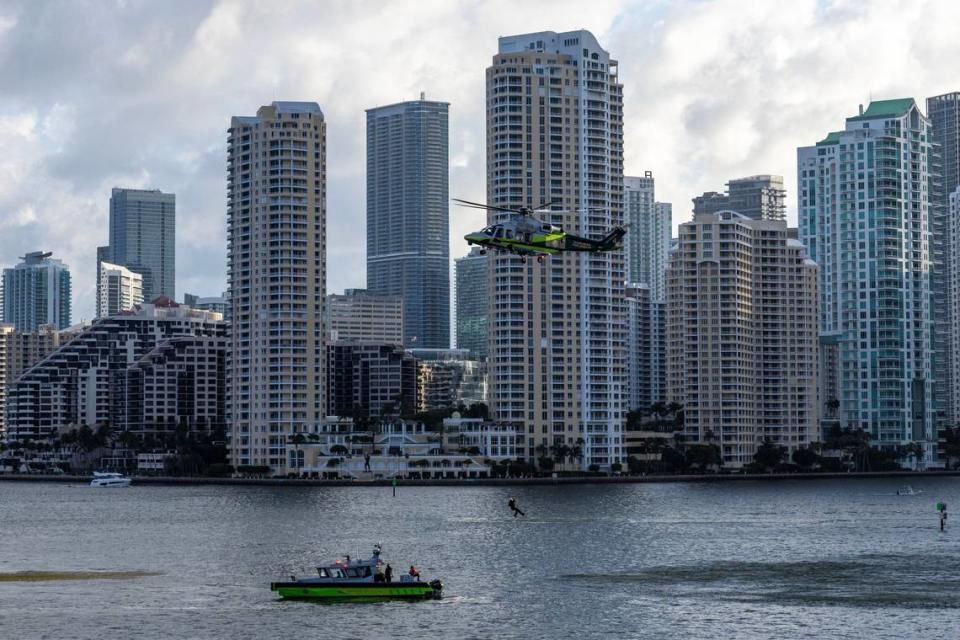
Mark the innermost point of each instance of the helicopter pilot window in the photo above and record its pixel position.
(499, 233)
(509, 233)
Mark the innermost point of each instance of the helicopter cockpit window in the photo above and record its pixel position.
(509, 233)
(546, 227)
(499, 233)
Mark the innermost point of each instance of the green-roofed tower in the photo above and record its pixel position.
(867, 217)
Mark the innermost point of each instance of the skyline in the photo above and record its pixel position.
(129, 104)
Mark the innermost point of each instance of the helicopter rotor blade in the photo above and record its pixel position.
(477, 205)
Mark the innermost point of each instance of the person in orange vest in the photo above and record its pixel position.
(414, 573)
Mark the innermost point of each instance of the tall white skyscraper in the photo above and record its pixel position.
(865, 215)
(647, 243)
(118, 289)
(557, 334)
(276, 235)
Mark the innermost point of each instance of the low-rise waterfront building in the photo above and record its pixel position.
(464, 448)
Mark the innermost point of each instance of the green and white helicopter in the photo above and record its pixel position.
(524, 234)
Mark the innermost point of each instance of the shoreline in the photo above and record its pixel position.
(457, 482)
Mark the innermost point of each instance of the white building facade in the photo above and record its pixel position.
(866, 217)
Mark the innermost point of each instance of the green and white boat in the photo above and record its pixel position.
(357, 579)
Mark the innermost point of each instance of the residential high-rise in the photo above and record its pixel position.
(37, 292)
(146, 371)
(865, 216)
(408, 224)
(953, 302)
(360, 315)
(18, 352)
(742, 335)
(647, 243)
(276, 248)
(143, 238)
(470, 273)
(756, 197)
(119, 289)
(944, 113)
(646, 348)
(367, 380)
(557, 334)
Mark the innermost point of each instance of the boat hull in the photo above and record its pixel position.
(355, 591)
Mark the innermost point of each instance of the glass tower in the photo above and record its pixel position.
(142, 238)
(408, 223)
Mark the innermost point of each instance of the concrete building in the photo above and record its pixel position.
(953, 311)
(865, 215)
(88, 379)
(360, 315)
(37, 292)
(647, 243)
(370, 381)
(219, 304)
(408, 224)
(557, 331)
(472, 301)
(944, 113)
(757, 197)
(449, 378)
(646, 348)
(831, 410)
(742, 335)
(118, 289)
(276, 235)
(143, 238)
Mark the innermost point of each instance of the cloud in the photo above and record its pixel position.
(140, 94)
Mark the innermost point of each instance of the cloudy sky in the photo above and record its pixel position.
(136, 93)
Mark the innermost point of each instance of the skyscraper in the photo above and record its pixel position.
(557, 334)
(944, 113)
(865, 216)
(118, 289)
(276, 248)
(143, 238)
(742, 335)
(757, 197)
(647, 243)
(408, 223)
(470, 273)
(37, 292)
(646, 348)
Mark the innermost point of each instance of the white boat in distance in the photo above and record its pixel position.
(908, 491)
(109, 479)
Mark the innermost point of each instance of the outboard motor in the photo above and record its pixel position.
(437, 587)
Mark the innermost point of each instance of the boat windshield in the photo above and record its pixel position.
(322, 572)
(359, 572)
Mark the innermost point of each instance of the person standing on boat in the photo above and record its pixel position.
(366, 462)
(414, 573)
(512, 503)
(388, 573)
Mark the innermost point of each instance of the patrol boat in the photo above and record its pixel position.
(356, 579)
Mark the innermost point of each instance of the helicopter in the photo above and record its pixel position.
(524, 234)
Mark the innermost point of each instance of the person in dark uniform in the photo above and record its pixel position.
(512, 503)
(388, 573)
